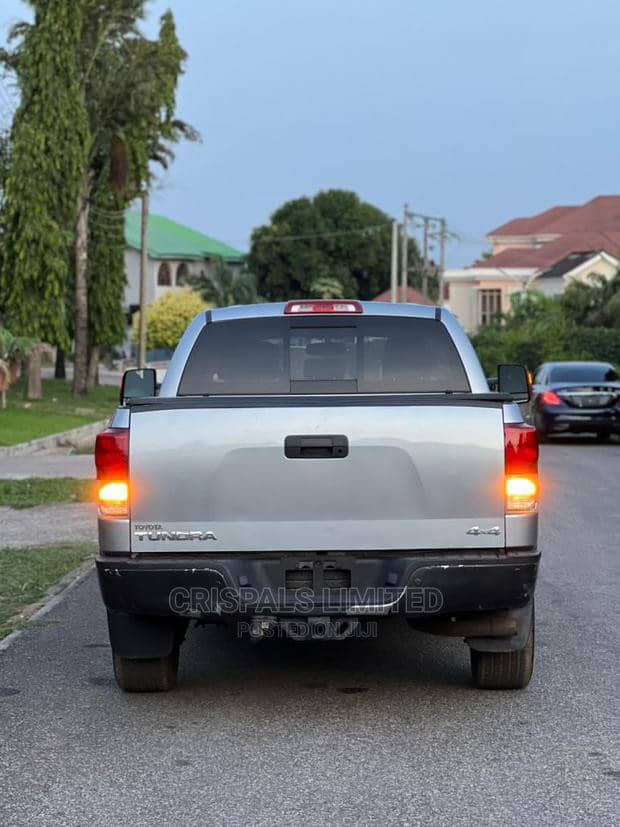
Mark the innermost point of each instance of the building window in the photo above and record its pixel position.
(164, 276)
(182, 274)
(490, 305)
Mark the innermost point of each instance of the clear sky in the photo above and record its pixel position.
(480, 111)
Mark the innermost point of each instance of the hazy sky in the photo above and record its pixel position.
(480, 110)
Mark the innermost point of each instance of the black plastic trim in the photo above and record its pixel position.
(473, 400)
(481, 582)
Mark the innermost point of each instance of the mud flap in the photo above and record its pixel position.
(139, 636)
(524, 618)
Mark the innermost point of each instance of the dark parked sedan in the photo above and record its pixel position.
(576, 397)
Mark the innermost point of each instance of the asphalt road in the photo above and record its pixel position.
(355, 732)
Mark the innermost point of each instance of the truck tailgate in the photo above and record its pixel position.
(416, 476)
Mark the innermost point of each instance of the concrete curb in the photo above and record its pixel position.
(70, 438)
(55, 595)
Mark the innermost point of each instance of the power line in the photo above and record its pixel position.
(441, 233)
(334, 234)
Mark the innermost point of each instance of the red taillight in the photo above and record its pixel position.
(521, 449)
(521, 467)
(301, 308)
(112, 454)
(112, 461)
(550, 398)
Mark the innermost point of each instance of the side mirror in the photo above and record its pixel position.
(138, 384)
(513, 380)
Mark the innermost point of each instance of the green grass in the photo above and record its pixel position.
(36, 491)
(58, 411)
(27, 574)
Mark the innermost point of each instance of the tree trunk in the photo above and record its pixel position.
(34, 389)
(80, 363)
(93, 367)
(4, 382)
(60, 371)
(14, 369)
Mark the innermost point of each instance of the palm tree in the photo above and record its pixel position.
(327, 287)
(223, 288)
(595, 303)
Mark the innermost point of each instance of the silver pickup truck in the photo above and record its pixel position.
(311, 467)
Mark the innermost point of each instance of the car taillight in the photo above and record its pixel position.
(112, 461)
(521, 468)
(302, 308)
(550, 398)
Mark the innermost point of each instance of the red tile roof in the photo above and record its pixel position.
(602, 212)
(594, 226)
(554, 251)
(535, 224)
(413, 297)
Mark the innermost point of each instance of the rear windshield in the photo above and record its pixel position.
(583, 373)
(310, 355)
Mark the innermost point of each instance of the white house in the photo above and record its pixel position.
(174, 252)
(545, 252)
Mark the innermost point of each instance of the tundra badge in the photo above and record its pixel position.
(159, 535)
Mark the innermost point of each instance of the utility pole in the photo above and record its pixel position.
(404, 253)
(442, 258)
(394, 264)
(143, 271)
(425, 260)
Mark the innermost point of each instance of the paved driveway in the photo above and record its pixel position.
(48, 524)
(48, 465)
(387, 731)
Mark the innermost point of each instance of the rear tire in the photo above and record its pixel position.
(603, 436)
(504, 670)
(147, 675)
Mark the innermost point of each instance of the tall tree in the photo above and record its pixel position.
(106, 273)
(333, 236)
(130, 85)
(49, 141)
(106, 112)
(4, 170)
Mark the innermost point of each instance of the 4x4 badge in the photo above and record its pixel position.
(476, 530)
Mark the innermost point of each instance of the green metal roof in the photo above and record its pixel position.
(167, 239)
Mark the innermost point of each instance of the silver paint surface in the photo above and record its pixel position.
(415, 478)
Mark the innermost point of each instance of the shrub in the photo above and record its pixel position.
(598, 343)
(168, 317)
(583, 323)
(537, 342)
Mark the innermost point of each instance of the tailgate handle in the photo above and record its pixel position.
(316, 447)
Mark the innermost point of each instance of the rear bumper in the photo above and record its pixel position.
(296, 585)
(576, 421)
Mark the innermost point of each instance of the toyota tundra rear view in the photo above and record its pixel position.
(310, 468)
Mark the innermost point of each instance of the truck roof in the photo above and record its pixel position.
(370, 308)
